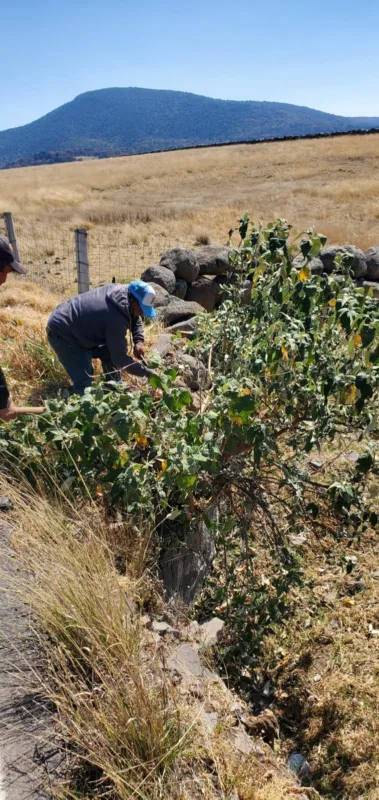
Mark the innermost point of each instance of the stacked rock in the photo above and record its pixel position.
(365, 265)
(187, 283)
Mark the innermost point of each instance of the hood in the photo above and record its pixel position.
(118, 294)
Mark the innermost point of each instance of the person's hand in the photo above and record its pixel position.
(139, 350)
(9, 413)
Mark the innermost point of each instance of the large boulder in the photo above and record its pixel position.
(178, 311)
(205, 291)
(328, 255)
(160, 275)
(182, 262)
(372, 261)
(213, 259)
(180, 289)
(162, 296)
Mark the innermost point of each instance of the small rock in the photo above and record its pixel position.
(317, 678)
(375, 574)
(162, 346)
(145, 621)
(237, 710)
(189, 325)
(160, 275)
(191, 369)
(352, 455)
(197, 690)
(5, 504)
(298, 539)
(298, 765)
(210, 721)
(186, 662)
(191, 630)
(315, 464)
(210, 631)
(162, 627)
(241, 741)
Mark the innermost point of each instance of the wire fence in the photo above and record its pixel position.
(49, 254)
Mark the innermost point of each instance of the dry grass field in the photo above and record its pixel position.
(195, 196)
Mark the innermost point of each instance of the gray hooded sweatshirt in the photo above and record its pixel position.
(101, 317)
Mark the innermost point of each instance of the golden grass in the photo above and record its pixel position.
(324, 662)
(129, 732)
(29, 361)
(190, 195)
(114, 702)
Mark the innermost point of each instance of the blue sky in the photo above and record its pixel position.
(321, 54)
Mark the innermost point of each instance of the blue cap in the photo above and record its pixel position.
(145, 296)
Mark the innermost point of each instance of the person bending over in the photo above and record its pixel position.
(95, 325)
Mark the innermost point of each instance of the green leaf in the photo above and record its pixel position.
(364, 463)
(156, 382)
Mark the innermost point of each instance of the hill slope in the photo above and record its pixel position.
(132, 120)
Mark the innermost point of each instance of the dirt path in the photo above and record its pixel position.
(28, 755)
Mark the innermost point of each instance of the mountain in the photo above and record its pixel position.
(122, 121)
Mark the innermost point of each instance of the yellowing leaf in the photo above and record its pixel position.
(99, 491)
(304, 273)
(349, 395)
(348, 602)
(332, 302)
(164, 464)
(236, 419)
(141, 440)
(124, 457)
(285, 353)
(357, 340)
(244, 392)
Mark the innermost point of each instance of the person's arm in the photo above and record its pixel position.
(136, 327)
(6, 405)
(138, 336)
(4, 393)
(116, 343)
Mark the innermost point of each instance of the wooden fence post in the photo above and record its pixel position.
(8, 219)
(82, 265)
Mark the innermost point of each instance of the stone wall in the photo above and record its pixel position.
(188, 282)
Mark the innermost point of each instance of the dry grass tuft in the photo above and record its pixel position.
(114, 702)
(33, 371)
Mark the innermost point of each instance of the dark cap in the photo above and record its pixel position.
(7, 258)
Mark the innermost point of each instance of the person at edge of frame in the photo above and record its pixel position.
(8, 264)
